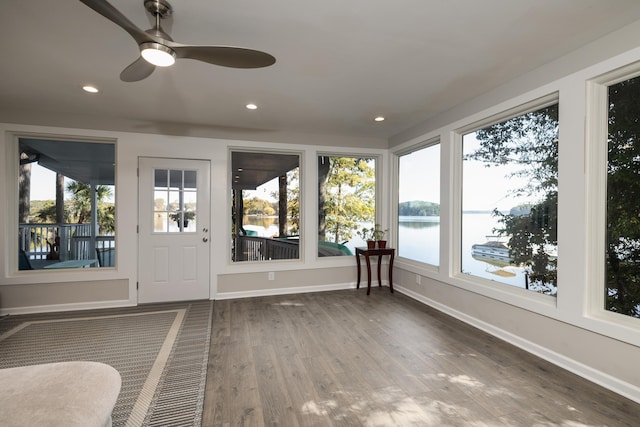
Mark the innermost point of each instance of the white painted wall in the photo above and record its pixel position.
(570, 330)
(300, 274)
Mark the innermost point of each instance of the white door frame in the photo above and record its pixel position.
(174, 261)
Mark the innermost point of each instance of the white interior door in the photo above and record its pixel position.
(173, 233)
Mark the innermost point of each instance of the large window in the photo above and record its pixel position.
(266, 206)
(622, 291)
(419, 205)
(66, 206)
(346, 203)
(509, 201)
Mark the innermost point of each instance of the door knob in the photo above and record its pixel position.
(204, 239)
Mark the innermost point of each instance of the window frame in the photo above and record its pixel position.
(301, 188)
(468, 281)
(11, 175)
(396, 201)
(596, 165)
(378, 215)
(182, 212)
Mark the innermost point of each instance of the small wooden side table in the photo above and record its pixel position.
(379, 253)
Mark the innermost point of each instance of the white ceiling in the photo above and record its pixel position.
(339, 62)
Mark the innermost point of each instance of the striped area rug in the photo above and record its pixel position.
(160, 350)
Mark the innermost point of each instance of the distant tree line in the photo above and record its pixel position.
(258, 206)
(418, 208)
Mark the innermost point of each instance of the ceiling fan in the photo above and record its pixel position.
(157, 48)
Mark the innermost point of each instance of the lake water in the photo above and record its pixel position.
(265, 226)
(419, 240)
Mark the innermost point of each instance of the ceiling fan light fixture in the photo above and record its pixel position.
(158, 54)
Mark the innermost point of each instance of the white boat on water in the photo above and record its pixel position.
(491, 250)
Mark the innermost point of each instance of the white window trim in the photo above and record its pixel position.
(417, 266)
(596, 152)
(487, 287)
(280, 264)
(519, 110)
(11, 171)
(378, 214)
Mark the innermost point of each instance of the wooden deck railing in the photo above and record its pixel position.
(36, 241)
(254, 248)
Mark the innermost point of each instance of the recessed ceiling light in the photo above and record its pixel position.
(252, 106)
(379, 119)
(90, 89)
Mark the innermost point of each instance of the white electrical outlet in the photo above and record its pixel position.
(272, 275)
(418, 279)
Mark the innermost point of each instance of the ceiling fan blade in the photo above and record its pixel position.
(137, 70)
(105, 9)
(226, 56)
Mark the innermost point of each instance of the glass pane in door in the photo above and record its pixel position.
(175, 201)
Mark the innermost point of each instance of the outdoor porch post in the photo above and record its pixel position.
(239, 230)
(94, 222)
(62, 231)
(282, 206)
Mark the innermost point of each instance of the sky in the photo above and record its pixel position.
(43, 184)
(419, 175)
(484, 188)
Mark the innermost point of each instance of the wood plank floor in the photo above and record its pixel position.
(344, 359)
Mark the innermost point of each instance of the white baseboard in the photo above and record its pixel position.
(284, 291)
(66, 307)
(605, 380)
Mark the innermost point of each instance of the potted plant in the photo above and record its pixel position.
(187, 215)
(378, 235)
(367, 235)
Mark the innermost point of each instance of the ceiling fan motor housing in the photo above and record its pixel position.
(160, 8)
